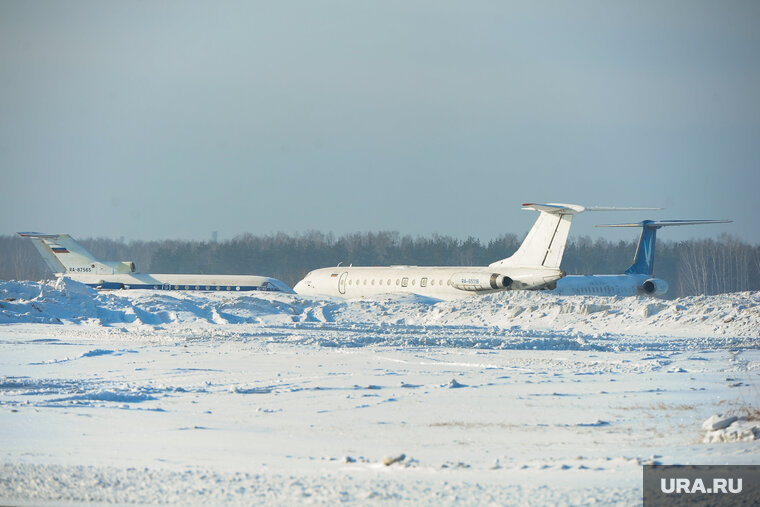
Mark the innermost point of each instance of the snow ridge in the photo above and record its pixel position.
(519, 320)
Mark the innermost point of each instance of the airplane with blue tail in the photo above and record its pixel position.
(637, 279)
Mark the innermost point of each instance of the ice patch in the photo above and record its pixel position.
(250, 389)
(97, 352)
(110, 396)
(595, 424)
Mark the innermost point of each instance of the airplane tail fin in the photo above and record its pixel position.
(545, 243)
(643, 260)
(63, 255)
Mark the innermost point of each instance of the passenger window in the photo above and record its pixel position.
(448, 282)
(423, 282)
(404, 282)
(397, 281)
(373, 282)
(389, 282)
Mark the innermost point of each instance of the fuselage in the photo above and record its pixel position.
(441, 282)
(611, 285)
(156, 281)
(603, 285)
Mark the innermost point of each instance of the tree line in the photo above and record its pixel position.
(693, 267)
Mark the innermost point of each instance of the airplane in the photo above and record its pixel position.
(535, 265)
(637, 279)
(67, 258)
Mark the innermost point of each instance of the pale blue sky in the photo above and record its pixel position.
(173, 119)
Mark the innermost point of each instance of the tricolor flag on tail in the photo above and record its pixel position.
(59, 249)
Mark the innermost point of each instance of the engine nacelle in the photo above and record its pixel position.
(480, 281)
(654, 287)
(119, 267)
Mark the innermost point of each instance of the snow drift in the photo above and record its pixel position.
(519, 319)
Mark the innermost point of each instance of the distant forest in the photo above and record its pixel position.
(692, 267)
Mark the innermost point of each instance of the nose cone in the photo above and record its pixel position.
(302, 287)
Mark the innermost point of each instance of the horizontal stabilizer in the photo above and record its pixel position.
(36, 235)
(555, 208)
(572, 209)
(665, 223)
(615, 208)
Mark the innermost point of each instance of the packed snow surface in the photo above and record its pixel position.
(510, 398)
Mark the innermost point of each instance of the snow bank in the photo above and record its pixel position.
(78, 484)
(720, 428)
(520, 319)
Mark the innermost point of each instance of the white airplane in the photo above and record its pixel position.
(535, 265)
(635, 280)
(67, 258)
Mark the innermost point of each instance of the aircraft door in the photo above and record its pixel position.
(342, 282)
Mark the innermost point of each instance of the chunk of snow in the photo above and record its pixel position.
(717, 421)
(390, 460)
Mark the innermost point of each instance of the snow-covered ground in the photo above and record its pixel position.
(512, 398)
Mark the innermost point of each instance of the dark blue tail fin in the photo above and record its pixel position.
(643, 261)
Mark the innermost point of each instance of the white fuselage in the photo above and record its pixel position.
(441, 282)
(67, 258)
(179, 282)
(535, 265)
(602, 285)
